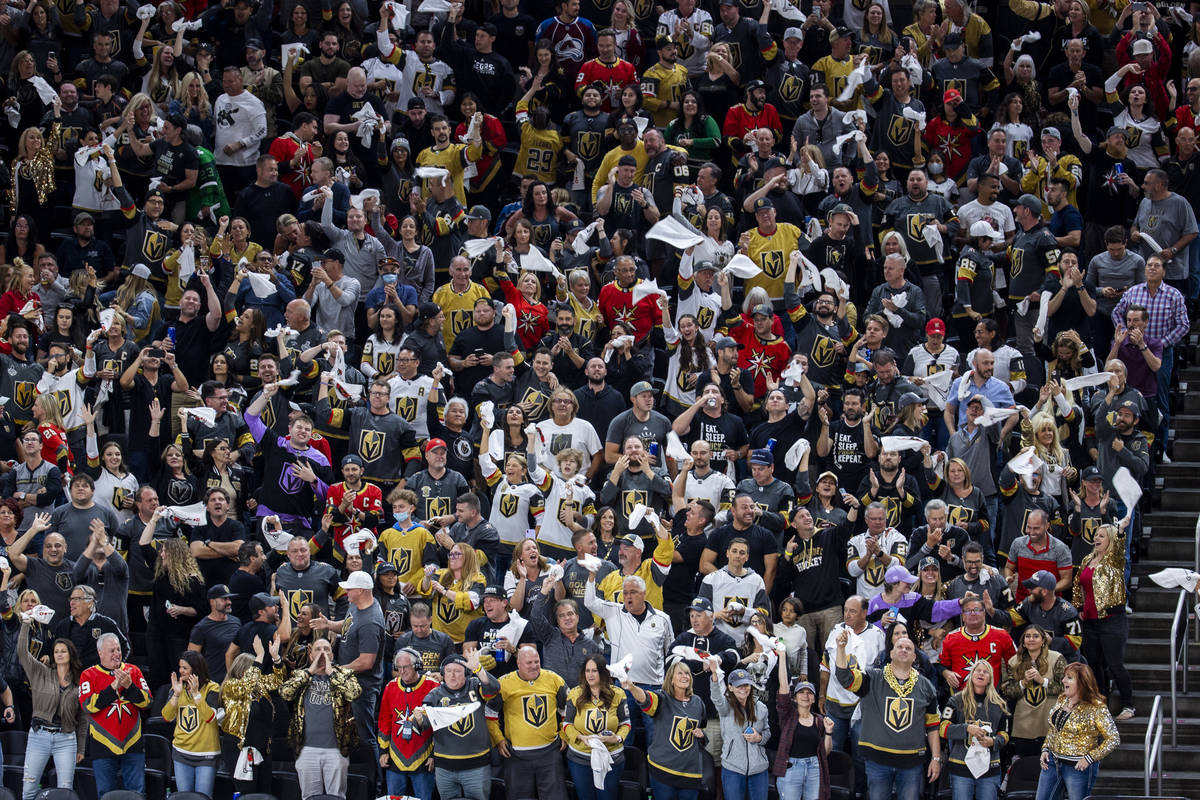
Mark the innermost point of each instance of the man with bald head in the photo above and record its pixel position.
(52, 575)
(340, 116)
(241, 126)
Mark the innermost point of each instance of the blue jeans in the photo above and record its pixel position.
(992, 503)
(964, 788)
(39, 748)
(1164, 394)
(664, 791)
(585, 786)
(637, 718)
(131, 768)
(1062, 776)
(907, 782)
(744, 787)
(1193, 283)
(473, 784)
(421, 780)
(195, 779)
(802, 781)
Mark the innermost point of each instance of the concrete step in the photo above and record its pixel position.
(1154, 598)
(1151, 678)
(1129, 783)
(1143, 649)
(1152, 624)
(1187, 733)
(1171, 522)
(1186, 425)
(1164, 548)
(1131, 753)
(1177, 498)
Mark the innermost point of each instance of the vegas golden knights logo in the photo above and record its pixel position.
(154, 245)
(915, 223)
(772, 264)
(437, 507)
(900, 130)
(297, 600)
(833, 256)
(406, 407)
(1089, 529)
(588, 145)
(745, 601)
(593, 721)
(1035, 695)
(64, 403)
(118, 497)
(874, 573)
(508, 504)
(705, 317)
(631, 498)
(899, 713)
(268, 416)
(535, 709)
(464, 726)
(402, 558)
(189, 719)
(790, 88)
(683, 733)
(386, 363)
(1133, 136)
(422, 80)
(623, 202)
(446, 611)
(959, 517)
(735, 54)
(459, 321)
(642, 8)
(955, 83)
(823, 351)
(370, 445)
(97, 181)
(24, 394)
(1016, 262)
(64, 581)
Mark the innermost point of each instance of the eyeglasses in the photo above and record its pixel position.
(973, 611)
(456, 555)
(562, 401)
(75, 597)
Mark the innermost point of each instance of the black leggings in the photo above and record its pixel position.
(1104, 648)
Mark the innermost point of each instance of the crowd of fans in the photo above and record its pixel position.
(695, 397)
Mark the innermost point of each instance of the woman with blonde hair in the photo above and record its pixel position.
(1041, 433)
(195, 106)
(527, 574)
(136, 302)
(137, 123)
(526, 297)
(21, 292)
(53, 433)
(32, 183)
(1099, 594)
(675, 751)
(977, 715)
(1081, 734)
(179, 598)
(246, 694)
(629, 39)
(517, 505)
(456, 591)
(160, 78)
(966, 507)
(575, 288)
(21, 89)
(1033, 680)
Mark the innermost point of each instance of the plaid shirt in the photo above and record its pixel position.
(1168, 312)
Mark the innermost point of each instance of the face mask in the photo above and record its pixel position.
(402, 517)
(389, 279)
(936, 169)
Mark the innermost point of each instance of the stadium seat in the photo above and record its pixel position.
(13, 743)
(841, 776)
(1023, 778)
(123, 794)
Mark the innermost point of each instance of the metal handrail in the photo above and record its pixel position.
(1152, 746)
(1181, 619)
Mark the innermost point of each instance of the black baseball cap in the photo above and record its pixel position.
(219, 592)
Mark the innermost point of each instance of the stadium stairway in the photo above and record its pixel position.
(1168, 540)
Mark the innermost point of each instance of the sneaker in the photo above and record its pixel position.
(1126, 713)
(1166, 459)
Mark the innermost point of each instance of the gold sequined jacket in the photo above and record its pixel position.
(41, 167)
(1108, 579)
(239, 694)
(1086, 731)
(345, 690)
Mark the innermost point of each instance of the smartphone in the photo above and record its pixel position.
(156, 352)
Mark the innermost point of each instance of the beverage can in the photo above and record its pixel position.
(771, 444)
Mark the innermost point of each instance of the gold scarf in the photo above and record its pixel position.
(901, 689)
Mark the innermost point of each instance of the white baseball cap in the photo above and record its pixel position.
(358, 580)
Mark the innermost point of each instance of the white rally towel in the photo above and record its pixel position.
(991, 416)
(580, 243)
(840, 141)
(399, 15)
(856, 78)
(146, 12)
(640, 511)
(361, 541)
(512, 631)
(590, 562)
(487, 410)
(791, 459)
(195, 514)
(792, 374)
(809, 274)
(247, 760)
(898, 444)
(187, 24)
(786, 10)
(1176, 578)
(281, 330)
(646, 288)
(1026, 464)
(276, 539)
(913, 115)
(642, 123)
(106, 319)
(678, 234)
(1128, 489)
(937, 387)
(690, 654)
(187, 264)
(601, 760)
(978, 759)
(370, 121)
(1086, 381)
(444, 716)
(1043, 313)
(45, 91)
(767, 643)
(741, 266)
(675, 448)
(933, 238)
(203, 413)
(1151, 243)
(1031, 37)
(900, 301)
(618, 670)
(477, 247)
(41, 614)
(291, 380)
(261, 285)
(432, 173)
(285, 51)
(915, 71)
(534, 261)
(834, 283)
(850, 117)
(618, 342)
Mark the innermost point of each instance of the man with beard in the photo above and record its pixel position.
(425, 77)
(893, 132)
(847, 443)
(328, 69)
(583, 131)
(911, 214)
(83, 249)
(1033, 269)
(837, 246)
(978, 578)
(437, 487)
(890, 386)
(708, 176)
(708, 420)
(19, 372)
(636, 480)
(1119, 444)
(748, 42)
(753, 113)
(893, 488)
(607, 73)
(599, 403)
(625, 205)
(858, 195)
(1045, 609)
(1023, 496)
(663, 83)
(67, 384)
(616, 298)
(569, 350)
(787, 77)
(452, 157)
(666, 167)
(1008, 365)
(813, 555)
(478, 69)
(697, 480)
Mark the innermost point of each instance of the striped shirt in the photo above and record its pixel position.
(1168, 312)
